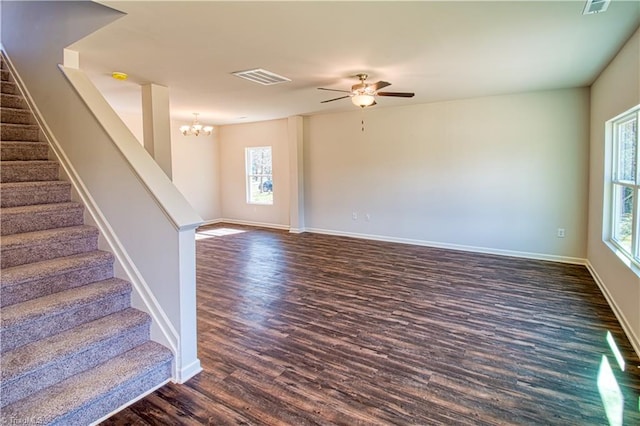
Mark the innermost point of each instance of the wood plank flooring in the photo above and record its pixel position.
(311, 329)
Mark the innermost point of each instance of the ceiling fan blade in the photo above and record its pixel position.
(334, 99)
(334, 90)
(397, 94)
(379, 85)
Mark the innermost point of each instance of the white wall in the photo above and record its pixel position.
(233, 141)
(497, 173)
(615, 91)
(196, 170)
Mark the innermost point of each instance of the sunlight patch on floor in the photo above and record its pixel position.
(610, 393)
(217, 232)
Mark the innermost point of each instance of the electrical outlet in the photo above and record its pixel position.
(560, 233)
(367, 217)
(354, 215)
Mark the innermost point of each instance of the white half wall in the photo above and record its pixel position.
(616, 90)
(233, 141)
(196, 170)
(498, 173)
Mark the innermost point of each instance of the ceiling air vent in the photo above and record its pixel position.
(261, 76)
(595, 6)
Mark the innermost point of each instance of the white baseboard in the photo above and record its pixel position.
(474, 249)
(248, 223)
(628, 330)
(297, 230)
(211, 222)
(189, 371)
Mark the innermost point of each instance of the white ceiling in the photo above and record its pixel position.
(439, 50)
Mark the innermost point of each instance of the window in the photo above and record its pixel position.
(625, 185)
(259, 175)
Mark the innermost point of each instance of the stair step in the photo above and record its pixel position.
(13, 194)
(30, 281)
(20, 249)
(44, 363)
(91, 395)
(5, 75)
(23, 151)
(19, 132)
(12, 101)
(9, 88)
(36, 319)
(21, 219)
(28, 171)
(16, 116)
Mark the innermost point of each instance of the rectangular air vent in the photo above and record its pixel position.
(261, 76)
(595, 6)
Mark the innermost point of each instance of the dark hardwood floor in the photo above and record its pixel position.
(312, 329)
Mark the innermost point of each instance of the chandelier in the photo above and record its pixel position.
(196, 129)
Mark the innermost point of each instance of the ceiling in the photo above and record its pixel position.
(440, 50)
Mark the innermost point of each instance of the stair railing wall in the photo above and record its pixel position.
(144, 219)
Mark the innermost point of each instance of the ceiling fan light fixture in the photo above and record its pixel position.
(362, 100)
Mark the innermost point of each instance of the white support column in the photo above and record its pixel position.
(156, 123)
(296, 173)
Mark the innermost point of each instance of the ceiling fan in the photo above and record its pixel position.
(363, 94)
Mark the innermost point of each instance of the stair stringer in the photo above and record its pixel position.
(162, 330)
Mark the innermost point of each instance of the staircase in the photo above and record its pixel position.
(72, 349)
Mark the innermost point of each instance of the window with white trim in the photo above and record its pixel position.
(259, 175)
(625, 185)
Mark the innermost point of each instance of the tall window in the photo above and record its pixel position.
(625, 190)
(259, 175)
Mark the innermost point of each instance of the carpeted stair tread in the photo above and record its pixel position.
(33, 280)
(19, 132)
(39, 217)
(33, 271)
(13, 194)
(56, 303)
(37, 365)
(36, 319)
(19, 249)
(9, 88)
(47, 236)
(23, 151)
(28, 171)
(12, 101)
(90, 395)
(71, 205)
(4, 74)
(34, 355)
(15, 116)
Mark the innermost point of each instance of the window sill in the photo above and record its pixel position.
(635, 268)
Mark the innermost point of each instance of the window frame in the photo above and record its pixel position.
(249, 175)
(615, 182)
